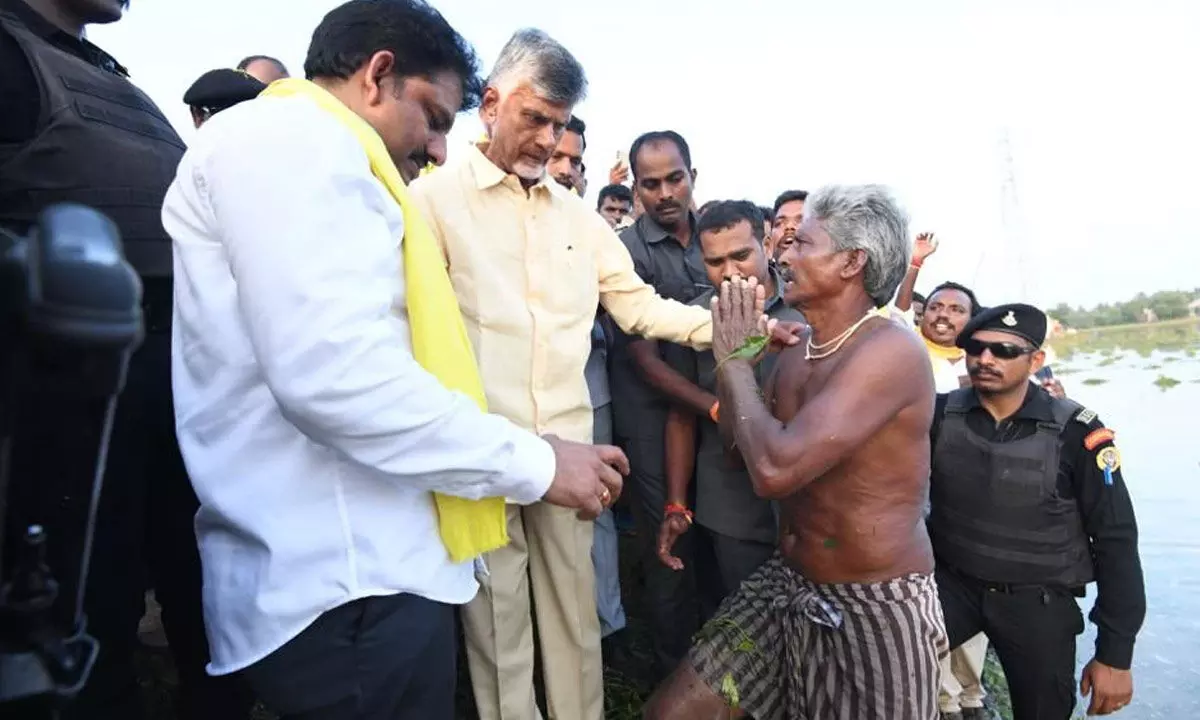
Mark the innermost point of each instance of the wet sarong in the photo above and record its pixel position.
(784, 648)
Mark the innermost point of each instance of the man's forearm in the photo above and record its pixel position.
(743, 410)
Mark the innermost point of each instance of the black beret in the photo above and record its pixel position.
(222, 89)
(1018, 319)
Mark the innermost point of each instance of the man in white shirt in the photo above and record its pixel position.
(313, 438)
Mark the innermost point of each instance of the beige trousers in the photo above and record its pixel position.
(962, 670)
(550, 549)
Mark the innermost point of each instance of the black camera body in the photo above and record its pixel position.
(70, 317)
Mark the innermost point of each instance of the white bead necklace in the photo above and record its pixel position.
(812, 351)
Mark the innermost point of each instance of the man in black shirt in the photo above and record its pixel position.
(666, 254)
(1027, 506)
(74, 129)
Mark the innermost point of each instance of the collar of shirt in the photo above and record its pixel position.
(488, 174)
(655, 233)
(37, 24)
(1036, 407)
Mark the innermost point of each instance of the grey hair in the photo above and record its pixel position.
(532, 56)
(868, 218)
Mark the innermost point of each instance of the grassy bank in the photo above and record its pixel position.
(1143, 338)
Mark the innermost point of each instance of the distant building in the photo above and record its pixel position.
(1194, 308)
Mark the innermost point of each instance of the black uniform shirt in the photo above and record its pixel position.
(675, 272)
(19, 93)
(1106, 509)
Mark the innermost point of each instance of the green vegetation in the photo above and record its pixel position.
(1094, 381)
(1166, 383)
(1172, 335)
(1166, 305)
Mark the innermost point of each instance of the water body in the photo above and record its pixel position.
(1158, 433)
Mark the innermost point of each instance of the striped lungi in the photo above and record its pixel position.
(784, 648)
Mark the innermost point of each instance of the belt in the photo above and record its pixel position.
(1008, 588)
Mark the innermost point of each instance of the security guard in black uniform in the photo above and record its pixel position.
(1028, 506)
(74, 129)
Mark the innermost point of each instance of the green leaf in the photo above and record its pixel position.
(748, 350)
(730, 690)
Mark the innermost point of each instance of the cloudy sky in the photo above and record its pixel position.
(1097, 100)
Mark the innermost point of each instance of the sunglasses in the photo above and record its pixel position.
(999, 350)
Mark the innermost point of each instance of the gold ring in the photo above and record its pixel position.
(604, 496)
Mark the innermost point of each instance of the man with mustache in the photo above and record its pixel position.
(666, 254)
(566, 162)
(785, 219)
(74, 128)
(844, 620)
(1028, 506)
(740, 526)
(615, 205)
(329, 403)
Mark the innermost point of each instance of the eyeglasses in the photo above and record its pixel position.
(999, 350)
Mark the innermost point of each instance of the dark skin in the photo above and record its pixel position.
(784, 225)
(411, 114)
(946, 314)
(842, 442)
(614, 210)
(566, 162)
(728, 252)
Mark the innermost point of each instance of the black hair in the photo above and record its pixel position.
(420, 38)
(976, 308)
(919, 298)
(579, 127)
(768, 213)
(620, 192)
(251, 59)
(723, 214)
(787, 197)
(657, 136)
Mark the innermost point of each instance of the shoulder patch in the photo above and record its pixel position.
(1085, 416)
(1096, 438)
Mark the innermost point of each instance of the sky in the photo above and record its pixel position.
(1095, 100)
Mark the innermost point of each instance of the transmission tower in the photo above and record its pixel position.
(1016, 231)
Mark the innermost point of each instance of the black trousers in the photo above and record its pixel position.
(1033, 630)
(671, 598)
(383, 658)
(144, 534)
(736, 559)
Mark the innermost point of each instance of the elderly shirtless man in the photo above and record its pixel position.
(844, 621)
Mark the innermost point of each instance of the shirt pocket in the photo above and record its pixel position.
(568, 276)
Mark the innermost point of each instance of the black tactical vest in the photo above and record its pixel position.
(996, 513)
(101, 142)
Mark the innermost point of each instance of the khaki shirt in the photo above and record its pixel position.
(529, 269)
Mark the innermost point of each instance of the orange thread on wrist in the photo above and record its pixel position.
(714, 412)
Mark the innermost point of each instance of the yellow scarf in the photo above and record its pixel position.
(941, 352)
(439, 338)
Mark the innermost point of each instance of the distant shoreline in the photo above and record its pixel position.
(1131, 326)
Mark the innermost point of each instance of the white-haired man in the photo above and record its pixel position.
(529, 261)
(845, 619)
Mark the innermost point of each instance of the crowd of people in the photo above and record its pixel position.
(382, 396)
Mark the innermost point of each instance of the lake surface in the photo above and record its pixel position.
(1158, 434)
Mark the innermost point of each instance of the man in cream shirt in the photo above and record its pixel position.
(529, 260)
(314, 439)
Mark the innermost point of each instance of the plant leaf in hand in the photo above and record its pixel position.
(750, 348)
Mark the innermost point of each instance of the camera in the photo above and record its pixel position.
(70, 317)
